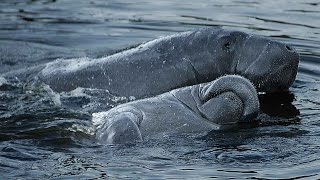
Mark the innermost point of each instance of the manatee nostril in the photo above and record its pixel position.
(289, 48)
(227, 45)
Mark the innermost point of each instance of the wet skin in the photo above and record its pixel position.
(180, 60)
(201, 108)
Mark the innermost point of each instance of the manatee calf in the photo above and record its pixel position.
(180, 60)
(200, 108)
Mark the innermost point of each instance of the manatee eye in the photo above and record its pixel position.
(227, 42)
(227, 45)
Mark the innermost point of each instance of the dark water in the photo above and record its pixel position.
(48, 135)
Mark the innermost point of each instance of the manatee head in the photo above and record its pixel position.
(270, 65)
(223, 90)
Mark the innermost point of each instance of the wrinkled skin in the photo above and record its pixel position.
(180, 60)
(201, 108)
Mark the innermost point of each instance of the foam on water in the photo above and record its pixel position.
(3, 81)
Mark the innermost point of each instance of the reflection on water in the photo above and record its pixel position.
(44, 134)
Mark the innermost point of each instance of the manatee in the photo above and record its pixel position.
(180, 60)
(201, 108)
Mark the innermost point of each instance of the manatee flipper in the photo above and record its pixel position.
(241, 88)
(118, 128)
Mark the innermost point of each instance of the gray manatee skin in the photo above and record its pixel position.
(201, 108)
(180, 60)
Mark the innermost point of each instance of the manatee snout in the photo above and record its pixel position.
(270, 65)
(232, 95)
(283, 70)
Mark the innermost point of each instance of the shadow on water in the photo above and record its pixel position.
(279, 107)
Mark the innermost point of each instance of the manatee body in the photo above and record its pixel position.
(201, 108)
(180, 60)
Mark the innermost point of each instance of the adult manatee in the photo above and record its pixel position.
(180, 60)
(200, 108)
